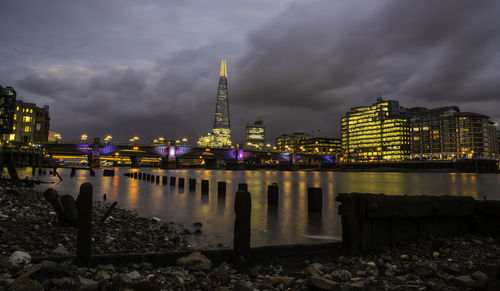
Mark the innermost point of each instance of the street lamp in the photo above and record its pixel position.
(84, 137)
(108, 138)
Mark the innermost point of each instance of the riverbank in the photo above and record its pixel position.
(28, 230)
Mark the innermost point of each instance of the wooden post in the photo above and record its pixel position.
(68, 204)
(181, 183)
(73, 172)
(148, 177)
(272, 196)
(135, 175)
(192, 185)
(221, 190)
(164, 180)
(204, 186)
(242, 187)
(172, 181)
(108, 212)
(157, 180)
(152, 178)
(53, 198)
(84, 225)
(314, 200)
(139, 176)
(243, 211)
(39, 171)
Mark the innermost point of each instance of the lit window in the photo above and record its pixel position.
(27, 128)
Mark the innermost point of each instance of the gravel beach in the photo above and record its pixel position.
(29, 229)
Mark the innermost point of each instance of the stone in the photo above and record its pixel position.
(314, 270)
(134, 275)
(146, 286)
(284, 280)
(371, 264)
(220, 277)
(195, 262)
(463, 281)
(87, 284)
(19, 258)
(63, 283)
(156, 219)
(60, 250)
(101, 274)
(324, 284)
(404, 257)
(480, 276)
(24, 283)
(358, 285)
(341, 275)
(435, 255)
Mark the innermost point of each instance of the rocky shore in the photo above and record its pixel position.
(29, 230)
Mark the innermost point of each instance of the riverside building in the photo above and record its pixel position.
(375, 133)
(255, 135)
(7, 109)
(290, 142)
(321, 146)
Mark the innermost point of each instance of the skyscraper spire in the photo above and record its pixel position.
(223, 69)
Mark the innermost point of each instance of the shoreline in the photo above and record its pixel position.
(455, 263)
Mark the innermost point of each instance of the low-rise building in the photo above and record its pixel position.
(290, 142)
(255, 135)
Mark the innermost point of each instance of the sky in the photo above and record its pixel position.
(150, 68)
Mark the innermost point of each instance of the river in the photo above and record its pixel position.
(289, 224)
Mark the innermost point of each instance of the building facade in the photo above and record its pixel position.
(255, 135)
(446, 133)
(375, 133)
(7, 110)
(290, 142)
(321, 146)
(220, 137)
(31, 124)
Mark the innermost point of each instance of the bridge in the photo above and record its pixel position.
(173, 156)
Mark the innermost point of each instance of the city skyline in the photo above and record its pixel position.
(113, 72)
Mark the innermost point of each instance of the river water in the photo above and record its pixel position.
(289, 224)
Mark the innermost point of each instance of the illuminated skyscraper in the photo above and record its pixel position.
(222, 131)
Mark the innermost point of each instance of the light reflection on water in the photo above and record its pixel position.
(290, 223)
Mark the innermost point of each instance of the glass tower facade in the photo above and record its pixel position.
(222, 129)
(375, 133)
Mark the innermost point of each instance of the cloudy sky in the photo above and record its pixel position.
(150, 68)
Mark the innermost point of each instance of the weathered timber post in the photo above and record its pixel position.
(139, 176)
(192, 185)
(52, 197)
(314, 200)
(172, 181)
(73, 172)
(157, 180)
(68, 204)
(164, 181)
(272, 196)
(204, 186)
(54, 171)
(84, 225)
(181, 183)
(108, 212)
(39, 171)
(243, 211)
(148, 177)
(152, 178)
(221, 190)
(135, 175)
(242, 187)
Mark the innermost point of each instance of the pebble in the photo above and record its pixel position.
(480, 276)
(435, 255)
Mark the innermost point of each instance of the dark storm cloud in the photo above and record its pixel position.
(338, 53)
(151, 69)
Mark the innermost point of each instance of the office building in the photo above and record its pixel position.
(290, 142)
(375, 133)
(220, 137)
(255, 135)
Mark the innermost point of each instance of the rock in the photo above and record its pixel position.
(134, 275)
(424, 268)
(404, 257)
(195, 262)
(198, 232)
(24, 283)
(480, 276)
(60, 250)
(435, 255)
(220, 277)
(122, 281)
(156, 219)
(87, 284)
(146, 286)
(314, 270)
(341, 275)
(101, 274)
(463, 281)
(197, 224)
(284, 280)
(32, 270)
(19, 258)
(477, 241)
(358, 285)
(324, 284)
(371, 264)
(64, 283)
